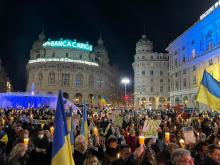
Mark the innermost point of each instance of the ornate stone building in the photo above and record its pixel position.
(150, 76)
(192, 52)
(82, 72)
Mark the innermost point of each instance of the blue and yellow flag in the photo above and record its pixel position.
(209, 91)
(61, 147)
(84, 124)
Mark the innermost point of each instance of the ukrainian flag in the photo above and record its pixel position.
(84, 124)
(61, 148)
(209, 91)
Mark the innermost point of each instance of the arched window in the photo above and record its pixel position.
(91, 81)
(65, 79)
(51, 78)
(79, 80)
(40, 78)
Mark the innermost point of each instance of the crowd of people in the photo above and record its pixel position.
(26, 138)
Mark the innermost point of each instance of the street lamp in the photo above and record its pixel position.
(125, 81)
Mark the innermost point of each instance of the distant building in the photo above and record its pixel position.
(192, 52)
(150, 76)
(4, 81)
(81, 71)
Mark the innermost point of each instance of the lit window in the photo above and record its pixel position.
(193, 53)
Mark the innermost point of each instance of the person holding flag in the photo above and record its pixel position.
(61, 147)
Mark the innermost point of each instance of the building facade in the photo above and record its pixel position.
(5, 84)
(150, 76)
(192, 52)
(81, 71)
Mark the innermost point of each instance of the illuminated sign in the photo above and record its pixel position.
(62, 60)
(217, 4)
(68, 44)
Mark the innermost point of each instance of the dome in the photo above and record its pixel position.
(144, 43)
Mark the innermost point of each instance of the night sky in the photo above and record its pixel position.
(121, 22)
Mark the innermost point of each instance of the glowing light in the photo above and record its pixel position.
(125, 81)
(62, 60)
(217, 4)
(68, 44)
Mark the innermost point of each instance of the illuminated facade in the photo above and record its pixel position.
(192, 52)
(150, 76)
(81, 71)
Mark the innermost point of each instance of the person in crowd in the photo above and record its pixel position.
(131, 139)
(181, 157)
(91, 160)
(163, 158)
(17, 155)
(125, 156)
(111, 150)
(79, 150)
(213, 156)
(200, 151)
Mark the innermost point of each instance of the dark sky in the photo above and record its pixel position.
(121, 23)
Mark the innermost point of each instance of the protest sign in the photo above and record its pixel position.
(150, 128)
(189, 135)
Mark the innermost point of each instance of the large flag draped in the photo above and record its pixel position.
(61, 148)
(84, 124)
(209, 91)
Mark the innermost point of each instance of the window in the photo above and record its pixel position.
(161, 73)
(143, 57)
(67, 55)
(152, 80)
(183, 48)
(91, 81)
(176, 74)
(137, 58)
(210, 62)
(194, 80)
(175, 53)
(176, 62)
(193, 42)
(184, 82)
(194, 68)
(51, 78)
(184, 71)
(151, 57)
(161, 80)
(184, 58)
(151, 89)
(79, 80)
(161, 89)
(177, 85)
(40, 78)
(53, 55)
(65, 79)
(80, 56)
(193, 53)
(99, 83)
(143, 72)
(151, 72)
